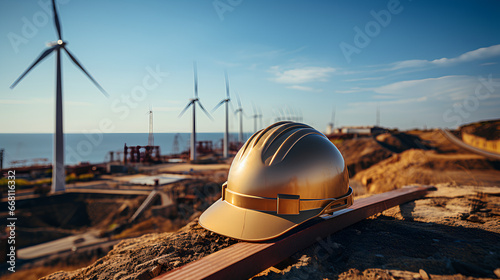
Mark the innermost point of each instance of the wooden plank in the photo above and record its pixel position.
(245, 259)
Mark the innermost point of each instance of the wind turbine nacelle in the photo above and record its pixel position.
(56, 43)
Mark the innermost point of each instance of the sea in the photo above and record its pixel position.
(21, 149)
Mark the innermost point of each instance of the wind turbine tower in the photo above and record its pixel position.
(255, 117)
(58, 171)
(226, 133)
(240, 111)
(193, 102)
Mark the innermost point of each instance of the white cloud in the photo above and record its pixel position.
(453, 87)
(448, 89)
(390, 102)
(481, 53)
(301, 75)
(304, 88)
(365, 79)
(352, 90)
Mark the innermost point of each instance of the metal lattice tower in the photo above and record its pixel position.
(151, 140)
(175, 146)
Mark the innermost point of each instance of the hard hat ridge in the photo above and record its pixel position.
(276, 140)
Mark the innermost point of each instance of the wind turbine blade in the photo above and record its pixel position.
(227, 85)
(218, 105)
(206, 113)
(86, 73)
(56, 20)
(254, 111)
(195, 80)
(185, 108)
(239, 101)
(231, 105)
(40, 58)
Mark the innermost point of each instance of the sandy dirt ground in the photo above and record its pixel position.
(432, 238)
(152, 254)
(453, 233)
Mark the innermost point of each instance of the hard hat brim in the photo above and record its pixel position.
(250, 225)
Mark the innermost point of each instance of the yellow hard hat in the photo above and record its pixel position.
(283, 176)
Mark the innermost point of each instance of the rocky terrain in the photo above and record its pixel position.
(452, 233)
(390, 161)
(152, 254)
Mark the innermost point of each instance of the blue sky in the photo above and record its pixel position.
(421, 62)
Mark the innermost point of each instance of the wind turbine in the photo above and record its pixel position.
(240, 111)
(58, 173)
(193, 102)
(226, 133)
(255, 117)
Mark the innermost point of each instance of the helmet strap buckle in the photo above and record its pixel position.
(288, 204)
(224, 186)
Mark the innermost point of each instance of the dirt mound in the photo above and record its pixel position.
(490, 130)
(434, 140)
(400, 141)
(389, 140)
(361, 153)
(147, 256)
(424, 167)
